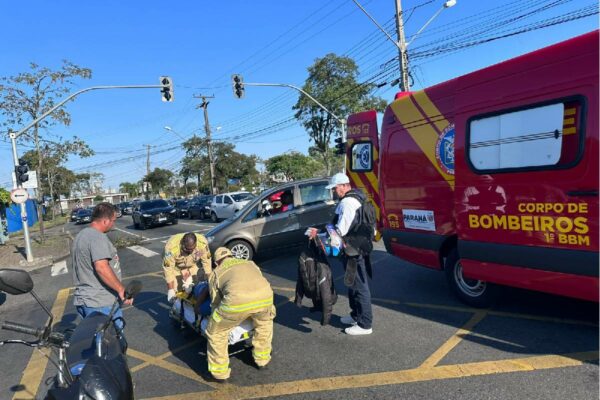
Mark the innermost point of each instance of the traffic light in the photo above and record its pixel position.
(167, 89)
(340, 146)
(21, 171)
(238, 86)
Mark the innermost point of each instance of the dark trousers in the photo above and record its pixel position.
(359, 295)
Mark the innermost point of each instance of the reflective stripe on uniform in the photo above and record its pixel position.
(262, 355)
(247, 306)
(218, 367)
(216, 317)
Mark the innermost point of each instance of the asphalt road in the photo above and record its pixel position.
(425, 344)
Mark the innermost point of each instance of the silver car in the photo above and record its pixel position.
(227, 204)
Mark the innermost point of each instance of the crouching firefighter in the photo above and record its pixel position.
(238, 291)
(183, 253)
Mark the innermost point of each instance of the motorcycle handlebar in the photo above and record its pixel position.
(16, 327)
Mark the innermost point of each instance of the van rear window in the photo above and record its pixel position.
(539, 136)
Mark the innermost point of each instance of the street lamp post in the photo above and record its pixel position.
(401, 43)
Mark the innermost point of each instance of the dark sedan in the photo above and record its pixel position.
(83, 216)
(153, 212)
(199, 207)
(182, 208)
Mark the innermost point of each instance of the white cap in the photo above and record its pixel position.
(338, 179)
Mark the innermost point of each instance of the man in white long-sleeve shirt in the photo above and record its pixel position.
(355, 265)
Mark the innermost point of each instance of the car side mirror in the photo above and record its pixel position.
(15, 281)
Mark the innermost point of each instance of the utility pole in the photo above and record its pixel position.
(402, 56)
(147, 159)
(211, 162)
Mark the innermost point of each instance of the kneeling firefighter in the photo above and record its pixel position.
(238, 291)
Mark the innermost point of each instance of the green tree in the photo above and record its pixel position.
(4, 197)
(28, 95)
(132, 189)
(229, 164)
(333, 82)
(293, 166)
(57, 179)
(160, 179)
(99, 198)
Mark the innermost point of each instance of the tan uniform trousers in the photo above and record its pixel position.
(217, 332)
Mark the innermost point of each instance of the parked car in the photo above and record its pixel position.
(276, 220)
(74, 213)
(153, 212)
(83, 215)
(126, 207)
(227, 204)
(182, 208)
(199, 207)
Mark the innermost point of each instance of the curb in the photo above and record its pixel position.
(47, 261)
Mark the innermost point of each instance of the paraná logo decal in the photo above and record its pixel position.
(444, 150)
(365, 157)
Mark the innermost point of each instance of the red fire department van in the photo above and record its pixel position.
(492, 176)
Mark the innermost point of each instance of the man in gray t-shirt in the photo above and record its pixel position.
(96, 269)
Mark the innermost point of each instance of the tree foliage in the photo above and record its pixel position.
(28, 95)
(293, 166)
(229, 164)
(333, 82)
(132, 189)
(160, 179)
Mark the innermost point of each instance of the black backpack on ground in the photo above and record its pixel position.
(315, 281)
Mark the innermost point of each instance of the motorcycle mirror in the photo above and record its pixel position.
(132, 289)
(15, 281)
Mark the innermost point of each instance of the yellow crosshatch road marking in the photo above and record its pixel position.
(420, 374)
(444, 349)
(429, 370)
(34, 371)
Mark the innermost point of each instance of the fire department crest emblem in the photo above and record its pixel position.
(444, 150)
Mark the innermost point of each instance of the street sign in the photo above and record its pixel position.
(32, 182)
(19, 195)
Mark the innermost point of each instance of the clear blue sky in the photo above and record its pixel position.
(200, 44)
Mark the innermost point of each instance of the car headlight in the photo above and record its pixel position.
(209, 239)
(146, 215)
(172, 211)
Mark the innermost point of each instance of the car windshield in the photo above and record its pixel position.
(147, 205)
(125, 204)
(242, 196)
(84, 212)
(182, 202)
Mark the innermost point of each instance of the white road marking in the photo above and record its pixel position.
(59, 268)
(124, 231)
(143, 251)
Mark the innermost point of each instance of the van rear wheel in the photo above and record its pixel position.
(241, 249)
(470, 291)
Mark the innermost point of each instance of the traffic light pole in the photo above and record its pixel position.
(14, 136)
(342, 121)
(18, 184)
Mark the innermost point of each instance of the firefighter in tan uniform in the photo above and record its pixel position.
(183, 253)
(238, 291)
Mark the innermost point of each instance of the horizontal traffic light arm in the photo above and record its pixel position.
(41, 117)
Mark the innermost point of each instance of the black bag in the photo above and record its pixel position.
(365, 221)
(315, 280)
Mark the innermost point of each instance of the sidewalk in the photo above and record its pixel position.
(56, 247)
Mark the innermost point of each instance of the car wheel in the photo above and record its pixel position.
(202, 215)
(174, 222)
(241, 249)
(190, 215)
(470, 291)
(213, 217)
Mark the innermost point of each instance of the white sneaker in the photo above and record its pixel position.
(357, 330)
(348, 320)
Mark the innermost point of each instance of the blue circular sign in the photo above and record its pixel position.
(444, 150)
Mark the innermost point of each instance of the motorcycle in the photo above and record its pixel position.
(91, 363)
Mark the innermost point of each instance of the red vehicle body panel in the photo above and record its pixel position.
(519, 223)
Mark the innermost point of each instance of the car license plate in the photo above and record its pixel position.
(162, 219)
